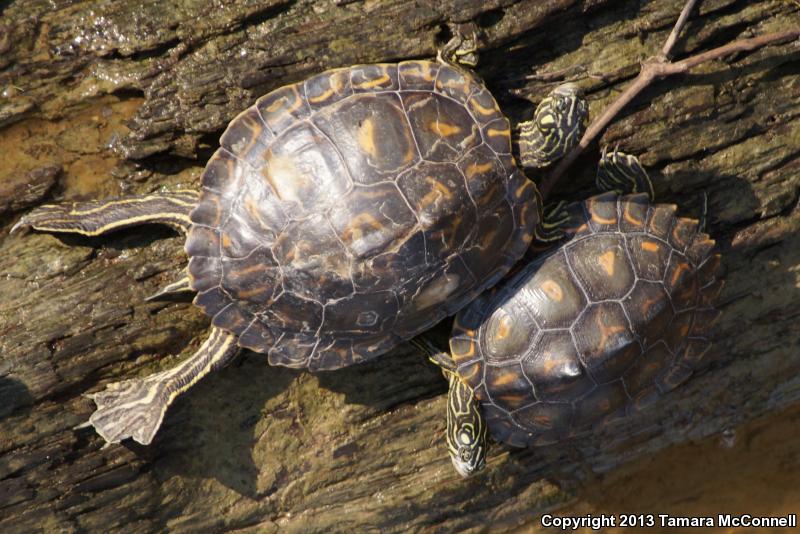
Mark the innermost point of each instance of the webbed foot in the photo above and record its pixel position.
(135, 408)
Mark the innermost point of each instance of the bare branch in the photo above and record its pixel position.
(676, 31)
(656, 68)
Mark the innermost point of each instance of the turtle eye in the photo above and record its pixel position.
(465, 454)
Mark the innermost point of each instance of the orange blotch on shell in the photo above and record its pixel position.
(482, 110)
(553, 290)
(354, 230)
(476, 168)
(503, 328)
(424, 73)
(438, 190)
(377, 82)
(649, 246)
(543, 420)
(444, 129)
(677, 274)
(366, 138)
(504, 379)
(606, 261)
(628, 216)
(493, 132)
(602, 220)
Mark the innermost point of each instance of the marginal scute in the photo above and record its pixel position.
(683, 232)
(476, 167)
(417, 75)
(660, 220)
(497, 135)
(248, 136)
(373, 78)
(454, 83)
(602, 211)
(256, 336)
(483, 106)
(205, 272)
(283, 107)
(633, 209)
(328, 88)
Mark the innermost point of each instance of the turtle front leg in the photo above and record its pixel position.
(135, 408)
(467, 440)
(98, 217)
(622, 174)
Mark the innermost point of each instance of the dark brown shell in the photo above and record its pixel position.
(604, 324)
(353, 210)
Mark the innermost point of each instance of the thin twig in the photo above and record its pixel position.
(676, 31)
(656, 68)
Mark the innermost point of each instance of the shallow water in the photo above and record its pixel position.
(753, 470)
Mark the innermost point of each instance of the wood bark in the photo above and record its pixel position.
(116, 97)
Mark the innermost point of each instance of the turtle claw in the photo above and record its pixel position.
(171, 290)
(21, 227)
(129, 409)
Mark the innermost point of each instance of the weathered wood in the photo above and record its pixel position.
(87, 84)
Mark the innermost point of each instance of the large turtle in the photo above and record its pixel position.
(340, 216)
(600, 326)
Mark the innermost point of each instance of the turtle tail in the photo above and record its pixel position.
(98, 217)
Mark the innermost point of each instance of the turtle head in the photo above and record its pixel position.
(466, 428)
(470, 456)
(557, 126)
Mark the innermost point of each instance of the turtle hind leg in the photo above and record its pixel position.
(97, 217)
(135, 408)
(622, 174)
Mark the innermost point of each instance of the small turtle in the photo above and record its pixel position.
(602, 325)
(340, 216)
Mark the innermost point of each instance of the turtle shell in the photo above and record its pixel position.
(603, 325)
(353, 210)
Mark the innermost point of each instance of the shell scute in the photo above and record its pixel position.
(372, 135)
(602, 266)
(283, 107)
(373, 78)
(417, 75)
(555, 369)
